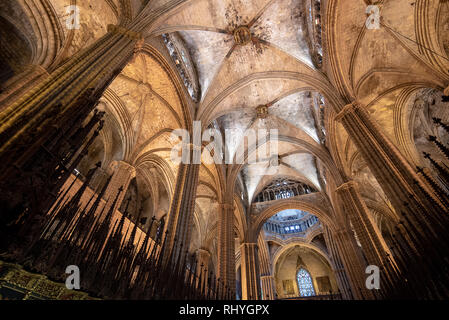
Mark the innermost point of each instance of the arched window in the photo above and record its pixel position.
(305, 284)
(283, 189)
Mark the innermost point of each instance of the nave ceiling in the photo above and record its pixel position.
(244, 54)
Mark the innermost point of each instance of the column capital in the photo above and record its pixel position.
(347, 109)
(346, 186)
(227, 206)
(133, 35)
(128, 167)
(138, 47)
(122, 165)
(248, 244)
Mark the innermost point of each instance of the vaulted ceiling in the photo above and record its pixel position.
(247, 54)
(239, 55)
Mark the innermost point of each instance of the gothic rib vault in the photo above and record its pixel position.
(353, 109)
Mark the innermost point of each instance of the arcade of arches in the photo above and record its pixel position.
(91, 92)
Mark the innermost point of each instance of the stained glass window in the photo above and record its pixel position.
(305, 284)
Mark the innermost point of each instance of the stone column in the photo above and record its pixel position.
(180, 219)
(20, 83)
(395, 175)
(268, 287)
(367, 232)
(337, 267)
(226, 246)
(54, 102)
(250, 271)
(353, 263)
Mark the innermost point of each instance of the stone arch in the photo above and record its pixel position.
(313, 82)
(299, 203)
(163, 168)
(315, 150)
(40, 24)
(321, 255)
(264, 184)
(16, 52)
(167, 64)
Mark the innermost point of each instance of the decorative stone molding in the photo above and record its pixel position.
(349, 108)
(138, 48)
(126, 32)
(242, 35)
(18, 84)
(177, 50)
(249, 269)
(268, 287)
(262, 111)
(122, 165)
(347, 185)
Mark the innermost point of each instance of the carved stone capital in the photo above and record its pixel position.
(249, 245)
(348, 109)
(124, 31)
(138, 48)
(346, 186)
(122, 165)
(139, 45)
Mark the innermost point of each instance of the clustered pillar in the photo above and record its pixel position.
(226, 246)
(368, 234)
(180, 219)
(395, 175)
(250, 271)
(21, 82)
(338, 267)
(353, 263)
(268, 287)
